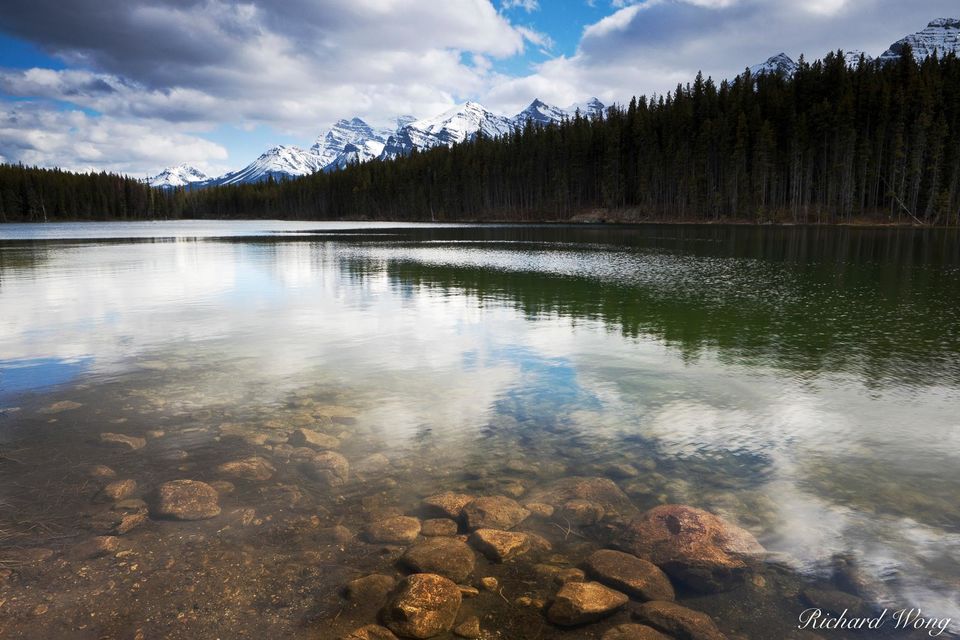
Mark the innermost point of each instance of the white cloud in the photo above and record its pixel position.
(76, 141)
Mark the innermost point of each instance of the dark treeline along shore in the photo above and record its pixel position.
(832, 144)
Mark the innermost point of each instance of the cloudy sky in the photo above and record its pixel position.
(137, 85)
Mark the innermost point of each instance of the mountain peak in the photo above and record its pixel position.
(940, 37)
(179, 176)
(780, 63)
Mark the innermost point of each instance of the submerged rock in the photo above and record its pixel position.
(252, 468)
(448, 557)
(424, 605)
(101, 471)
(580, 512)
(372, 588)
(328, 466)
(309, 438)
(583, 602)
(599, 491)
(447, 504)
(633, 632)
(678, 621)
(96, 547)
(630, 574)
(494, 512)
(393, 530)
(370, 632)
(118, 490)
(186, 500)
(469, 628)
(500, 546)
(692, 546)
(439, 527)
(121, 441)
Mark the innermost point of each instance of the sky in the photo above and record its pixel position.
(133, 86)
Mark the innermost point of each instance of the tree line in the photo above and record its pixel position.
(833, 143)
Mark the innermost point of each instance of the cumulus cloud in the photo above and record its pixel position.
(74, 140)
(649, 47)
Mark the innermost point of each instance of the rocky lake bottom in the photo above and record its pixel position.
(132, 514)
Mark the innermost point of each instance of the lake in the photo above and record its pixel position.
(802, 383)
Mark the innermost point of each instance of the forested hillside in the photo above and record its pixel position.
(831, 144)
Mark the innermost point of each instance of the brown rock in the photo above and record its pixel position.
(579, 512)
(677, 621)
(129, 522)
(469, 628)
(393, 530)
(582, 602)
(328, 466)
(223, 487)
(130, 443)
(630, 574)
(370, 589)
(447, 504)
(539, 509)
(309, 438)
(252, 468)
(692, 546)
(101, 471)
(373, 465)
(439, 527)
(493, 512)
(500, 546)
(370, 632)
(186, 500)
(118, 490)
(424, 605)
(559, 576)
(489, 583)
(96, 547)
(633, 632)
(448, 557)
(599, 491)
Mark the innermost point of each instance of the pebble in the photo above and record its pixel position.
(186, 500)
(630, 574)
(677, 621)
(118, 490)
(581, 602)
(494, 512)
(393, 530)
(469, 628)
(448, 557)
(423, 605)
(448, 504)
(500, 546)
(119, 440)
(252, 468)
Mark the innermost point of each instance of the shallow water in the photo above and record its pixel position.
(803, 383)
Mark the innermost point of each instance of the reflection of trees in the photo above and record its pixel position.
(877, 303)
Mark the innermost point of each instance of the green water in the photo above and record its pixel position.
(801, 382)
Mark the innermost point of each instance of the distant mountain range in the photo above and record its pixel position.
(351, 141)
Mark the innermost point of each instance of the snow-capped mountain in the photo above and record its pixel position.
(592, 108)
(778, 64)
(178, 176)
(941, 36)
(457, 125)
(349, 141)
(852, 57)
(280, 162)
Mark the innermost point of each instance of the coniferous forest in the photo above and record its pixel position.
(833, 144)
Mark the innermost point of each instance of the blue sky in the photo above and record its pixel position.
(137, 85)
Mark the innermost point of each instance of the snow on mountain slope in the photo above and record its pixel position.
(280, 162)
(941, 36)
(780, 63)
(178, 176)
(451, 127)
(852, 57)
(539, 112)
(351, 137)
(589, 109)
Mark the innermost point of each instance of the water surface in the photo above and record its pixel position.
(802, 382)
